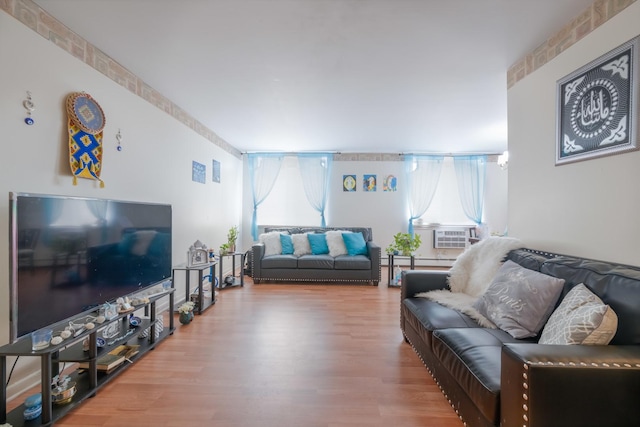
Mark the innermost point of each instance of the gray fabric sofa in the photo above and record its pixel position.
(317, 268)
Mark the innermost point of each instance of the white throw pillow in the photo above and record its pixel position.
(301, 244)
(336, 242)
(581, 318)
(271, 241)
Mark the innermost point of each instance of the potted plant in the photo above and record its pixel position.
(186, 312)
(232, 236)
(404, 244)
(224, 249)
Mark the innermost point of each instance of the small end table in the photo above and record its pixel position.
(237, 280)
(200, 303)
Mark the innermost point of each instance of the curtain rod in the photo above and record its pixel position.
(291, 153)
(449, 154)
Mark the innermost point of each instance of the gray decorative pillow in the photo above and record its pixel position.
(518, 300)
(581, 318)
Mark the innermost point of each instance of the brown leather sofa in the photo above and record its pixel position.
(317, 268)
(493, 379)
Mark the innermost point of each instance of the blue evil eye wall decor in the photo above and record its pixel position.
(119, 139)
(30, 107)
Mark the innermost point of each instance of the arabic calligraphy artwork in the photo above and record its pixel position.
(597, 107)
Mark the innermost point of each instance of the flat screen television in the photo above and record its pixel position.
(69, 255)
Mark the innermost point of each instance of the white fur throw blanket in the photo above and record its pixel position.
(471, 274)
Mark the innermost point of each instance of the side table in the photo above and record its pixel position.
(236, 280)
(201, 303)
(391, 282)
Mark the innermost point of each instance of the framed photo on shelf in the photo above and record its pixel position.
(597, 107)
(198, 254)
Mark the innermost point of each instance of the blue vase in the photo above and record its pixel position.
(186, 318)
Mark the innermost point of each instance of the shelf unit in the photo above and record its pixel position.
(202, 303)
(88, 381)
(238, 280)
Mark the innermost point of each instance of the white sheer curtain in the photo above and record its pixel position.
(316, 172)
(422, 175)
(263, 172)
(471, 173)
(99, 209)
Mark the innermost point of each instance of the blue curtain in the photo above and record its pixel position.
(471, 173)
(263, 172)
(316, 173)
(422, 174)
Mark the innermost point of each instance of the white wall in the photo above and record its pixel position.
(154, 166)
(588, 208)
(385, 212)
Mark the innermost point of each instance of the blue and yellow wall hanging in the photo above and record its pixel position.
(85, 121)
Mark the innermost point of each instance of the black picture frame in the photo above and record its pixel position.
(597, 107)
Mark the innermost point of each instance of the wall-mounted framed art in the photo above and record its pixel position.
(198, 172)
(369, 183)
(349, 183)
(597, 111)
(390, 183)
(215, 171)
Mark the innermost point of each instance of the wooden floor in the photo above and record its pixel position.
(278, 355)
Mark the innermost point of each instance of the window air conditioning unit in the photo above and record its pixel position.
(450, 238)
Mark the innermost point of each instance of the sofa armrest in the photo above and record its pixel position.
(257, 253)
(416, 281)
(375, 255)
(569, 385)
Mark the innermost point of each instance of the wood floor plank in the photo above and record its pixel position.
(299, 355)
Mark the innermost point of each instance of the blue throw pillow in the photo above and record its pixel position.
(287, 244)
(355, 243)
(318, 243)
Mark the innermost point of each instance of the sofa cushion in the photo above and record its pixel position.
(472, 357)
(519, 300)
(318, 243)
(323, 261)
(287, 244)
(279, 261)
(301, 244)
(616, 285)
(271, 241)
(355, 243)
(348, 262)
(581, 318)
(335, 242)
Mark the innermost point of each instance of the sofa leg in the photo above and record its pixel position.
(256, 281)
(375, 283)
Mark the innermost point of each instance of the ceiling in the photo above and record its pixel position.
(373, 76)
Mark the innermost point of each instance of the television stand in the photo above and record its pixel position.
(88, 381)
